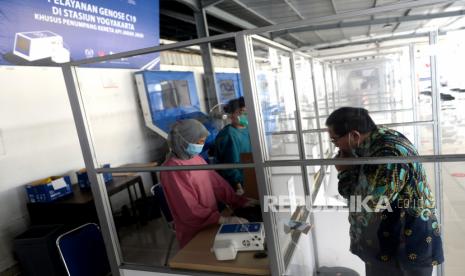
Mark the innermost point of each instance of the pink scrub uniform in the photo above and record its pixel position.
(193, 195)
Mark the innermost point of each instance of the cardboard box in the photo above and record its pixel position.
(83, 178)
(49, 189)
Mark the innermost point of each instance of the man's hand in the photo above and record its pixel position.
(343, 154)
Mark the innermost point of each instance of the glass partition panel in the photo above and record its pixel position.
(112, 107)
(312, 146)
(283, 146)
(303, 75)
(454, 221)
(382, 85)
(392, 116)
(327, 193)
(322, 100)
(423, 81)
(331, 98)
(451, 88)
(275, 91)
(420, 135)
(287, 191)
(303, 259)
(327, 147)
(354, 212)
(360, 210)
(144, 235)
(138, 117)
(129, 126)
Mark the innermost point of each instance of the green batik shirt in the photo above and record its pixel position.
(404, 227)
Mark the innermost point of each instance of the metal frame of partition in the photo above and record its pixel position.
(102, 202)
(307, 189)
(436, 100)
(246, 63)
(243, 39)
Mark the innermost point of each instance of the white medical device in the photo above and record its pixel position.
(37, 45)
(232, 238)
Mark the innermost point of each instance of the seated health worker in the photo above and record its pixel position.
(233, 140)
(192, 195)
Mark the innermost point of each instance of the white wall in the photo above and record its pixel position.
(38, 137)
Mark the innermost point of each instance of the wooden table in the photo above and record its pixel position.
(120, 183)
(196, 255)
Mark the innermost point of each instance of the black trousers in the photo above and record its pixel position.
(394, 268)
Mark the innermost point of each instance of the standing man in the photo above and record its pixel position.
(403, 238)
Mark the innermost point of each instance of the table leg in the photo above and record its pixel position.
(131, 200)
(143, 197)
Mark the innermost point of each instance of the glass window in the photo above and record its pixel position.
(174, 93)
(227, 90)
(276, 95)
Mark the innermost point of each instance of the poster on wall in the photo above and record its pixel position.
(47, 32)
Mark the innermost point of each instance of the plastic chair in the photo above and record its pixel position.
(82, 251)
(157, 192)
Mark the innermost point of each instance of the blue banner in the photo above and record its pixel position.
(46, 32)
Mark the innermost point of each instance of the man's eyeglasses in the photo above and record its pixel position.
(335, 139)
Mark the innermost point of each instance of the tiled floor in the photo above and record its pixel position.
(148, 244)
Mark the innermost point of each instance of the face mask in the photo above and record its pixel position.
(194, 149)
(243, 120)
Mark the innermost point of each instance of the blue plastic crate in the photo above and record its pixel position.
(49, 189)
(84, 181)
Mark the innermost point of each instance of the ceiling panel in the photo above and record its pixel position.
(439, 22)
(386, 2)
(350, 5)
(458, 5)
(311, 38)
(265, 12)
(457, 23)
(410, 26)
(331, 35)
(312, 9)
(428, 9)
(355, 31)
(359, 18)
(241, 12)
(381, 29)
(390, 14)
(277, 11)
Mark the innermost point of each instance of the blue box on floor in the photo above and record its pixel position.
(49, 189)
(83, 178)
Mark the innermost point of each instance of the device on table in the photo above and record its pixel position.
(232, 238)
